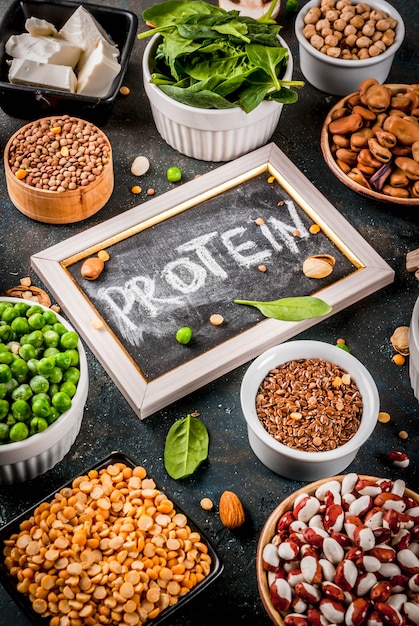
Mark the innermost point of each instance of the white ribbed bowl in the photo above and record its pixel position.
(414, 350)
(340, 77)
(210, 134)
(298, 464)
(24, 460)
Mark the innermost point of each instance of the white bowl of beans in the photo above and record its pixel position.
(35, 437)
(342, 42)
(339, 574)
(309, 407)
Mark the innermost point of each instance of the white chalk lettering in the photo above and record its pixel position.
(236, 250)
(285, 231)
(198, 245)
(196, 272)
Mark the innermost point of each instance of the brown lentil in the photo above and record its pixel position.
(384, 417)
(309, 404)
(399, 359)
(110, 549)
(350, 32)
(403, 434)
(59, 154)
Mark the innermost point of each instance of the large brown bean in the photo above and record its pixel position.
(385, 139)
(359, 139)
(377, 98)
(409, 166)
(415, 151)
(345, 125)
(406, 131)
(382, 154)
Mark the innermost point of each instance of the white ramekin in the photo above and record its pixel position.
(298, 464)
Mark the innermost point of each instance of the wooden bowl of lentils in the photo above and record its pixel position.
(59, 169)
(309, 407)
(370, 141)
(314, 566)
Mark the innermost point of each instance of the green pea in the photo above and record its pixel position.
(75, 357)
(9, 314)
(5, 332)
(20, 325)
(4, 409)
(61, 401)
(19, 368)
(6, 357)
(4, 431)
(50, 317)
(53, 388)
(36, 321)
(33, 366)
(3, 306)
(53, 416)
(27, 352)
(174, 174)
(34, 308)
(21, 410)
(11, 385)
(72, 374)
(56, 375)
(184, 335)
(37, 425)
(46, 365)
(51, 352)
(22, 307)
(343, 346)
(59, 328)
(69, 340)
(19, 432)
(23, 392)
(69, 388)
(63, 360)
(3, 391)
(10, 420)
(39, 384)
(35, 338)
(41, 406)
(51, 338)
(5, 373)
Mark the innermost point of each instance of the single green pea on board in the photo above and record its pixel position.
(291, 309)
(39, 369)
(215, 59)
(186, 447)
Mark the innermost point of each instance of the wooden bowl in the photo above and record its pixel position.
(269, 530)
(338, 172)
(59, 207)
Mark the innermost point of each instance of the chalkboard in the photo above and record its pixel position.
(239, 232)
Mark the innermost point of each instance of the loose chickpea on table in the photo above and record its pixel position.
(352, 32)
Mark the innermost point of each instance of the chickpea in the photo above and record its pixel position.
(333, 52)
(349, 30)
(317, 41)
(357, 21)
(332, 15)
(331, 40)
(321, 24)
(309, 30)
(363, 42)
(388, 37)
(340, 24)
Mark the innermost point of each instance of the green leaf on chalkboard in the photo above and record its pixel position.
(291, 309)
(186, 447)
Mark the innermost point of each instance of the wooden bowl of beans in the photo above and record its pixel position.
(315, 565)
(59, 169)
(370, 141)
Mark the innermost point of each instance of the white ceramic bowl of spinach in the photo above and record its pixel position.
(204, 102)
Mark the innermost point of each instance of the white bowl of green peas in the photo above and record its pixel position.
(43, 389)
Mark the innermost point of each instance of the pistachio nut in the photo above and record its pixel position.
(318, 265)
(400, 340)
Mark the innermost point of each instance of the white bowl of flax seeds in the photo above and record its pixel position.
(309, 407)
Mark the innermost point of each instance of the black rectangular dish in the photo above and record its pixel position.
(14, 527)
(25, 102)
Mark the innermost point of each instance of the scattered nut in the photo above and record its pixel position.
(97, 324)
(207, 504)
(400, 340)
(92, 268)
(140, 166)
(318, 265)
(231, 510)
(102, 254)
(384, 417)
(26, 282)
(29, 292)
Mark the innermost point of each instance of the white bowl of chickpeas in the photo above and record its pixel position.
(343, 42)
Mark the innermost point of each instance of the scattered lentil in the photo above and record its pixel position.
(399, 359)
(216, 319)
(124, 90)
(314, 229)
(136, 189)
(150, 191)
(97, 324)
(330, 415)
(259, 221)
(403, 434)
(207, 504)
(384, 417)
(271, 179)
(262, 268)
(296, 233)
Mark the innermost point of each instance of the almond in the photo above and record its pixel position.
(231, 510)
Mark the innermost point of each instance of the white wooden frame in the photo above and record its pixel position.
(147, 397)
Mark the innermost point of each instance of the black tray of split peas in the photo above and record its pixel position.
(107, 547)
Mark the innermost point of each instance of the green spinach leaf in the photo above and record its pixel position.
(186, 447)
(291, 309)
